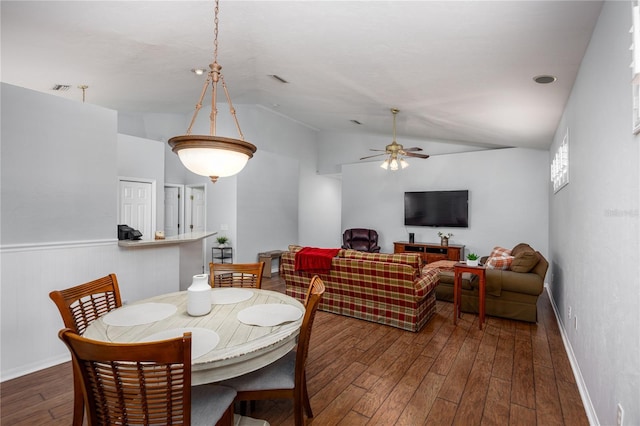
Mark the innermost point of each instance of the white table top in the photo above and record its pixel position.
(242, 348)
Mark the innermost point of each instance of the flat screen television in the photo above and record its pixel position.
(437, 208)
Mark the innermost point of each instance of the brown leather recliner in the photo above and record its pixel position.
(361, 239)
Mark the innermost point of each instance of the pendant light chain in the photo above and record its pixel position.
(211, 155)
(215, 32)
(213, 77)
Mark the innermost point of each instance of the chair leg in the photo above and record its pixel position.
(78, 400)
(305, 398)
(297, 413)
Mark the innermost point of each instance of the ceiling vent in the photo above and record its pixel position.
(60, 87)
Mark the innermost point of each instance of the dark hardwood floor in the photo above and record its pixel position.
(510, 373)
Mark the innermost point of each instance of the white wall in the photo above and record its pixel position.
(43, 133)
(267, 205)
(594, 229)
(59, 216)
(508, 198)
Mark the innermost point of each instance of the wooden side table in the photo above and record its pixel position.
(459, 269)
(267, 257)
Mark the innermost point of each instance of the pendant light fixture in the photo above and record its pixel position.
(211, 155)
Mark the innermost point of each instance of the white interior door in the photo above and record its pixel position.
(136, 203)
(173, 222)
(196, 208)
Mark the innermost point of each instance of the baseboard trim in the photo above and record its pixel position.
(582, 387)
(32, 368)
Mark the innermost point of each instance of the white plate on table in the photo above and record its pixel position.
(270, 314)
(144, 313)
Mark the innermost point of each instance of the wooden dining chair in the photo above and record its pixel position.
(247, 275)
(79, 306)
(145, 383)
(285, 378)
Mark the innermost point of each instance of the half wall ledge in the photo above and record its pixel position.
(188, 237)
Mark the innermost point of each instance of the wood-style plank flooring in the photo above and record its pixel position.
(510, 373)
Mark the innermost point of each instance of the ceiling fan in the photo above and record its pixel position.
(395, 151)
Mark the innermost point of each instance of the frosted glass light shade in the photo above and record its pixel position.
(212, 156)
(213, 162)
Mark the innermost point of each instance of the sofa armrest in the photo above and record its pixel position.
(426, 282)
(527, 283)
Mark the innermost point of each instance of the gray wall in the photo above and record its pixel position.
(508, 198)
(38, 206)
(267, 205)
(594, 229)
(59, 217)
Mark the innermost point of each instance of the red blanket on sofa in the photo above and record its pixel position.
(312, 259)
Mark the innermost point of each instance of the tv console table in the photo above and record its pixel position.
(430, 252)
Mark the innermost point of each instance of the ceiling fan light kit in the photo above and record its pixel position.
(211, 155)
(396, 152)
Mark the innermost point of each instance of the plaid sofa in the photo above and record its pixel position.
(383, 288)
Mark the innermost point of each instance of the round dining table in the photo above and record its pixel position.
(246, 329)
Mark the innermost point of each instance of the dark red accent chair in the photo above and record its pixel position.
(361, 239)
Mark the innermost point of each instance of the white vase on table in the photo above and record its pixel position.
(199, 296)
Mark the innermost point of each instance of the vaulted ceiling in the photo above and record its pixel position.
(458, 70)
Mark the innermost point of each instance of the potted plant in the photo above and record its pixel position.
(222, 240)
(444, 238)
(472, 259)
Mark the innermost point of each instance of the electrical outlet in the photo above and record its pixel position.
(569, 312)
(224, 227)
(620, 418)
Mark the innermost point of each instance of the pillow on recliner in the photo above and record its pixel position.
(499, 252)
(500, 258)
(499, 262)
(525, 258)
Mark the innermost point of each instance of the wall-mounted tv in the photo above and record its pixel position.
(437, 208)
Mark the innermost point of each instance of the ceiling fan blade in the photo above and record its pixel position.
(372, 149)
(410, 154)
(371, 156)
(415, 148)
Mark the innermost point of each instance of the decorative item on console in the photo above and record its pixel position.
(444, 238)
